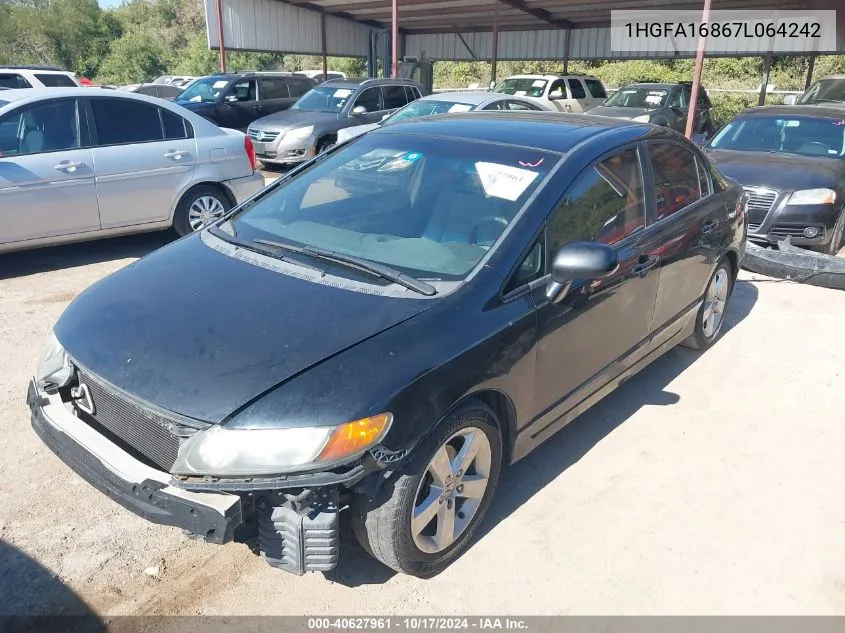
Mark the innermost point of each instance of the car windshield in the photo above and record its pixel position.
(2, 103)
(428, 207)
(825, 90)
(525, 87)
(805, 135)
(324, 99)
(427, 107)
(638, 97)
(204, 90)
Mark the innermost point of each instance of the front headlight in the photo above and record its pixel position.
(298, 133)
(813, 196)
(645, 118)
(54, 369)
(246, 452)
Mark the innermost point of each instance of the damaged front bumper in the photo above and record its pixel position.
(295, 517)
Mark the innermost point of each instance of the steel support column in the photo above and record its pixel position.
(323, 46)
(810, 67)
(696, 78)
(220, 48)
(494, 56)
(566, 48)
(764, 81)
(394, 43)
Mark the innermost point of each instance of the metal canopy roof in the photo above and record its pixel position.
(464, 16)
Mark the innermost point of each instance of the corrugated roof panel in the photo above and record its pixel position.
(268, 25)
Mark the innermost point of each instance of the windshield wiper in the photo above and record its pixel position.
(264, 251)
(379, 270)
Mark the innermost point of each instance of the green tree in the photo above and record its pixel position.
(134, 58)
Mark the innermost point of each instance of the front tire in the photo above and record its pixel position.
(426, 516)
(198, 208)
(710, 316)
(325, 145)
(837, 240)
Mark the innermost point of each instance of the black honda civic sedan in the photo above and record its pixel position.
(377, 334)
(791, 161)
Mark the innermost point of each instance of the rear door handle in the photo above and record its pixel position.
(69, 166)
(175, 154)
(645, 263)
(258, 107)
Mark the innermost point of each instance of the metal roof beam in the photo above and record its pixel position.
(540, 14)
(306, 4)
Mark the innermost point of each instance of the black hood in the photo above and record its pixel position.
(781, 172)
(201, 333)
(619, 112)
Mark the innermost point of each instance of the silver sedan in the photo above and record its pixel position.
(83, 163)
(442, 102)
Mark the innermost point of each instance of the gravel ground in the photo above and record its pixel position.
(708, 484)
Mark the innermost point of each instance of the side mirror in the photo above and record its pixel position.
(677, 110)
(790, 99)
(555, 95)
(359, 110)
(580, 260)
(699, 139)
(231, 98)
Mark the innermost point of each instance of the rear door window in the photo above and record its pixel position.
(55, 80)
(299, 87)
(274, 88)
(596, 88)
(121, 121)
(577, 89)
(394, 97)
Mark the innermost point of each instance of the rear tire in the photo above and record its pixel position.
(710, 316)
(407, 525)
(199, 207)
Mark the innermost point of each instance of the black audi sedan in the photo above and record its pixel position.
(380, 352)
(791, 161)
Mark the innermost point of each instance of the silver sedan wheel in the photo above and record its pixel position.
(204, 211)
(451, 490)
(714, 303)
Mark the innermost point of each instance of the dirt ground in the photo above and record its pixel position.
(708, 484)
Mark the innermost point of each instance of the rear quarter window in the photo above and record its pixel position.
(13, 80)
(596, 88)
(55, 81)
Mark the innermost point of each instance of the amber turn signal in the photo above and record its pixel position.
(355, 437)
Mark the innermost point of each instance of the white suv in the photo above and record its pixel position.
(36, 77)
(566, 93)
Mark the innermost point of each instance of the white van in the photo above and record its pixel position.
(566, 93)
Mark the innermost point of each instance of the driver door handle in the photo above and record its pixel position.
(175, 154)
(709, 226)
(258, 107)
(645, 263)
(68, 166)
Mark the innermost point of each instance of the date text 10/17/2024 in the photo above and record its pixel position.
(417, 623)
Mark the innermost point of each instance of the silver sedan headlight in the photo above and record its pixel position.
(247, 452)
(54, 369)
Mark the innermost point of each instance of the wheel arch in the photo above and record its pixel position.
(501, 405)
(202, 183)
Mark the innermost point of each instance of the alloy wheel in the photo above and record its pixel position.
(451, 490)
(203, 211)
(714, 303)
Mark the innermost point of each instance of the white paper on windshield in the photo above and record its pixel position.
(460, 107)
(197, 98)
(539, 83)
(654, 99)
(520, 93)
(220, 84)
(503, 181)
(792, 124)
(342, 93)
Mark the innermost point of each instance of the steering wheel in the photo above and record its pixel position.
(814, 145)
(483, 222)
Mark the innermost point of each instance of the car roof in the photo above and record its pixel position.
(36, 94)
(550, 131)
(655, 85)
(549, 77)
(833, 110)
(468, 98)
